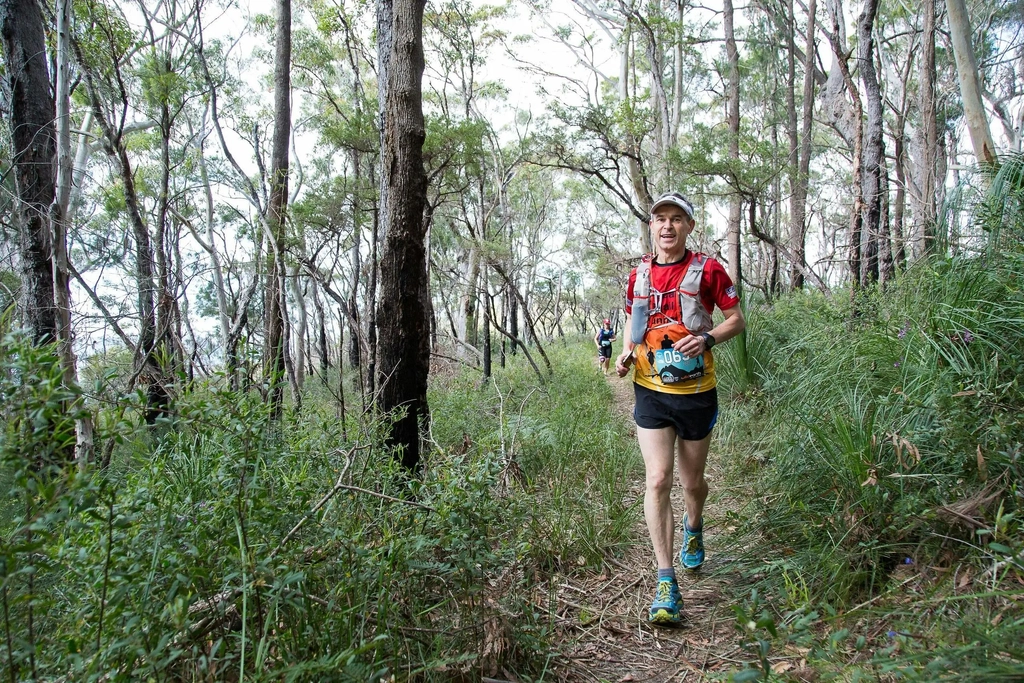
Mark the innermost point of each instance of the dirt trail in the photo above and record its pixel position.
(604, 617)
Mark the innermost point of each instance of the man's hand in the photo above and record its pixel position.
(690, 346)
(623, 362)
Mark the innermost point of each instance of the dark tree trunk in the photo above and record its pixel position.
(341, 377)
(168, 334)
(274, 311)
(321, 334)
(900, 201)
(504, 325)
(371, 308)
(34, 139)
(402, 317)
(485, 291)
(151, 373)
(512, 304)
(873, 145)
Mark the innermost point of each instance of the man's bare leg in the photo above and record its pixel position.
(692, 457)
(657, 447)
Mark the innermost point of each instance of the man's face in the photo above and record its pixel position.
(670, 226)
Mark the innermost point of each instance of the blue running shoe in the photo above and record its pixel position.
(691, 556)
(666, 605)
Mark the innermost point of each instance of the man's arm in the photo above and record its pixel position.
(734, 323)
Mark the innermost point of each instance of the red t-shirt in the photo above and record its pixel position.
(653, 368)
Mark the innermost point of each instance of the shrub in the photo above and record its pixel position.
(222, 544)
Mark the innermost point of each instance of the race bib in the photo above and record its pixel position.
(672, 366)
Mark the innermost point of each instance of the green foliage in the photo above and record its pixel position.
(1003, 208)
(10, 285)
(43, 496)
(886, 414)
(222, 544)
(878, 430)
(757, 628)
(559, 445)
(104, 37)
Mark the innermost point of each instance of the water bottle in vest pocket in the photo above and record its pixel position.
(641, 305)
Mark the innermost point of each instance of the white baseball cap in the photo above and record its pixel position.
(675, 199)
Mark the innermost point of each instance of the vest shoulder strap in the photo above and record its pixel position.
(690, 281)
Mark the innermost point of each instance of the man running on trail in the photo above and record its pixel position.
(604, 338)
(669, 301)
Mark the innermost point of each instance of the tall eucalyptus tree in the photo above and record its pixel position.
(798, 199)
(40, 209)
(120, 73)
(873, 151)
(924, 241)
(734, 253)
(274, 308)
(403, 310)
(32, 113)
(970, 86)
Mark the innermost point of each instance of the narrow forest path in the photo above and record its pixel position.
(604, 616)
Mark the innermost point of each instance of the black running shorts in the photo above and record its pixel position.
(605, 351)
(692, 415)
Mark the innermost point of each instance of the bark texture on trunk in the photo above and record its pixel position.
(402, 317)
(60, 214)
(796, 238)
(34, 138)
(733, 115)
(735, 245)
(854, 133)
(930, 127)
(799, 201)
(886, 267)
(900, 201)
(274, 310)
(874, 150)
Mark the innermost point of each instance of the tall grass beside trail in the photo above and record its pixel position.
(559, 444)
(222, 546)
(885, 449)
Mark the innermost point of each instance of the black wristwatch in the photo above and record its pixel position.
(709, 341)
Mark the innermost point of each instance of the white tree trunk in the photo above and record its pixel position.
(970, 89)
(84, 448)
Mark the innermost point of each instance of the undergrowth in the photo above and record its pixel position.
(221, 545)
(883, 445)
